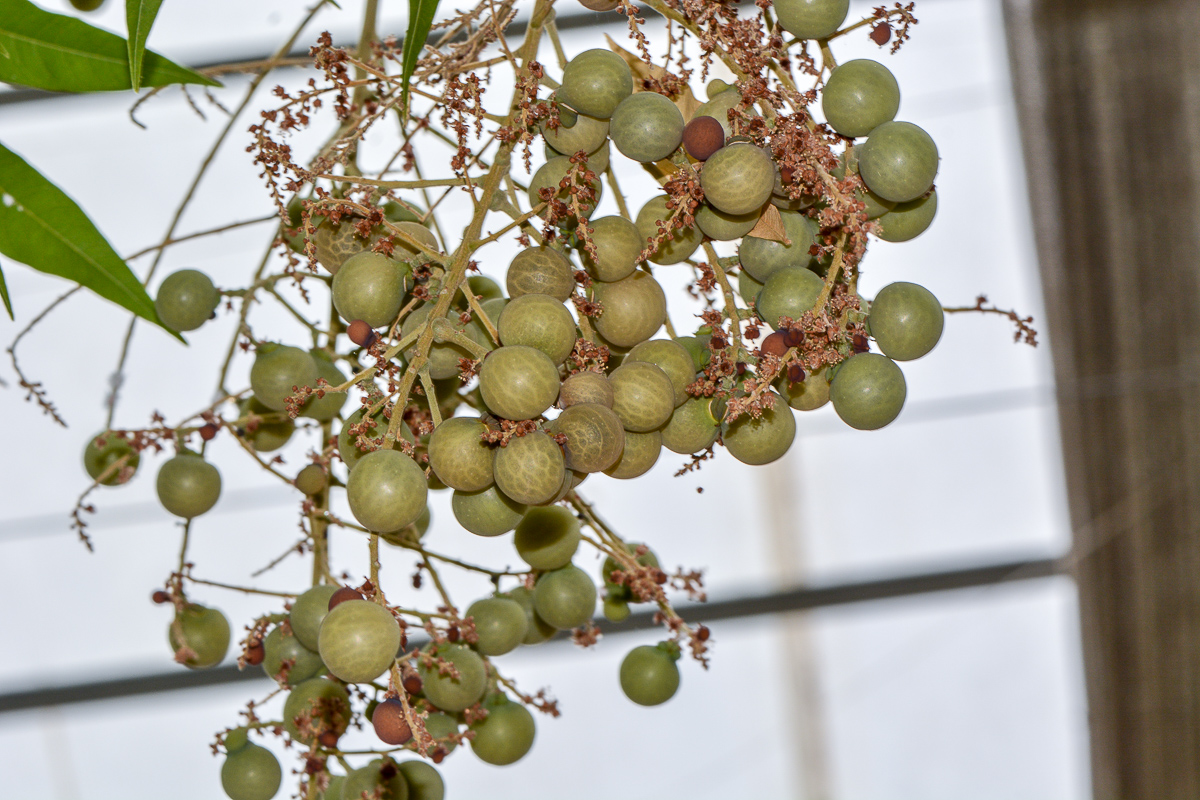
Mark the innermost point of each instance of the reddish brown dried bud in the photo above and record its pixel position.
(342, 595)
(328, 739)
(881, 34)
(741, 368)
(207, 432)
(255, 654)
(452, 634)
(774, 345)
(793, 337)
(702, 137)
(360, 333)
(702, 633)
(660, 577)
(388, 770)
(437, 755)
(390, 725)
(859, 343)
(795, 373)
(160, 597)
(412, 683)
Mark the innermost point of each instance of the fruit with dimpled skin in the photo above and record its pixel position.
(541, 322)
(97, 458)
(279, 648)
(898, 161)
(640, 454)
(675, 248)
(738, 178)
(547, 537)
(762, 440)
(634, 309)
(529, 469)
(251, 773)
(188, 485)
(459, 456)
(859, 96)
(618, 244)
(595, 82)
(500, 624)
(761, 258)
(582, 133)
(649, 674)
(868, 391)
(716, 224)
(585, 387)
(450, 693)
(811, 19)
(308, 612)
(506, 734)
(906, 321)
(277, 368)
(565, 597)
(186, 300)
(371, 287)
(443, 356)
(643, 396)
(386, 491)
(202, 630)
(541, 270)
(358, 640)
(646, 127)
(518, 382)
(672, 358)
(319, 706)
(594, 436)
(790, 293)
(486, 513)
(907, 221)
(692, 427)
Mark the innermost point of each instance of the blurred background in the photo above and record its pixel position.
(1019, 547)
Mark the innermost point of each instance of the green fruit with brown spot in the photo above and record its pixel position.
(541, 270)
(672, 358)
(692, 427)
(371, 287)
(358, 640)
(315, 707)
(807, 395)
(529, 469)
(541, 322)
(640, 454)
(486, 513)
(565, 597)
(518, 382)
(547, 537)
(500, 624)
(634, 309)
(761, 258)
(585, 387)
(646, 127)
(761, 440)
(386, 491)
(678, 245)
(550, 176)
(718, 107)
(459, 456)
(594, 435)
(453, 694)
(738, 178)
(643, 396)
(199, 636)
(595, 82)
(99, 457)
(618, 244)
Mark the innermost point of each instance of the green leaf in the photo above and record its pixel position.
(4, 296)
(139, 17)
(42, 227)
(64, 54)
(420, 20)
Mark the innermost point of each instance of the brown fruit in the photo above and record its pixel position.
(360, 333)
(774, 345)
(702, 137)
(389, 722)
(342, 595)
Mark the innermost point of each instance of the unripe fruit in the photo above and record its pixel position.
(898, 161)
(277, 368)
(907, 221)
(565, 598)
(500, 624)
(906, 321)
(251, 773)
(646, 127)
(649, 675)
(597, 160)
(518, 382)
(505, 735)
(443, 356)
(595, 82)
(723, 227)
(202, 630)
(186, 300)
(308, 612)
(441, 726)
(315, 707)
(874, 205)
(188, 485)
(585, 387)
(550, 176)
(408, 211)
(541, 322)
(763, 440)
(541, 270)
(643, 396)
(615, 610)
(424, 782)
(401, 249)
(868, 391)
(455, 694)
(482, 287)
(336, 243)
(529, 469)
(389, 723)
(640, 454)
(386, 491)
(539, 630)
(859, 96)
(547, 537)
(789, 292)
(266, 437)
(692, 427)
(486, 513)
(329, 406)
(359, 640)
(99, 457)
(611, 565)
(594, 435)
(618, 244)
(806, 395)
(311, 480)
(582, 133)
(379, 778)
(697, 347)
(671, 357)
(811, 19)
(738, 178)
(278, 648)
(634, 309)
(761, 258)
(371, 287)
(459, 456)
(676, 247)
(702, 137)
(348, 447)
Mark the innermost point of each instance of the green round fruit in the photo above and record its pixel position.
(371, 287)
(550, 176)
(539, 630)
(643, 396)
(505, 735)
(279, 648)
(640, 454)
(618, 244)
(348, 448)
(412, 534)
(859, 96)
(906, 321)
(868, 391)
(616, 610)
(267, 437)
(203, 631)
(379, 778)
(748, 288)
(763, 440)
(308, 612)
(481, 287)
(649, 675)
(597, 160)
(336, 243)
(443, 356)
(595, 82)
(547, 537)
(407, 211)
(236, 739)
(98, 457)
(611, 565)
(278, 368)
(486, 513)
(186, 300)
(314, 707)
(442, 726)
(251, 773)
(761, 258)
(807, 395)
(86, 5)
(424, 782)
(402, 249)
(334, 790)
(585, 387)
(692, 427)
(455, 694)
(518, 382)
(789, 292)
(646, 127)
(541, 322)
(583, 133)
(811, 19)
(738, 178)
(459, 456)
(325, 408)
(565, 597)
(874, 205)
(697, 347)
(898, 161)
(541, 270)
(188, 485)
(594, 435)
(676, 248)
(716, 224)
(358, 640)
(672, 358)
(634, 309)
(907, 221)
(529, 469)
(500, 624)
(386, 491)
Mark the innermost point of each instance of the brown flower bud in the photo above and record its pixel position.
(795, 373)
(207, 432)
(161, 597)
(881, 34)
(793, 337)
(412, 683)
(255, 654)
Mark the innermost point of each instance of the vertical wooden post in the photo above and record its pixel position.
(1109, 99)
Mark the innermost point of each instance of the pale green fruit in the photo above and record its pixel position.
(202, 630)
(334, 790)
(386, 491)
(486, 513)
(594, 436)
(443, 356)
(550, 176)
(307, 613)
(251, 773)
(547, 537)
(634, 309)
(358, 640)
(315, 707)
(640, 454)
(329, 406)
(649, 675)
(595, 82)
(747, 287)
(761, 258)
(278, 368)
(529, 469)
(541, 270)
(597, 160)
(97, 458)
(738, 178)
(278, 648)
(585, 387)
(442, 726)
(789, 292)
(371, 287)
(697, 347)
(565, 597)
(348, 447)
(646, 127)
(401, 249)
(616, 610)
(643, 396)
(541, 322)
(859, 96)
(807, 395)
(907, 221)
(336, 243)
(369, 781)
(618, 244)
(811, 19)
(188, 486)
(874, 205)
(692, 427)
(906, 321)
(539, 630)
(518, 382)
(312, 480)
(266, 437)
(898, 161)
(424, 782)
(868, 391)
(455, 694)
(505, 735)
(763, 440)
(459, 456)
(583, 133)
(186, 300)
(716, 224)
(672, 358)
(500, 624)
(677, 247)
